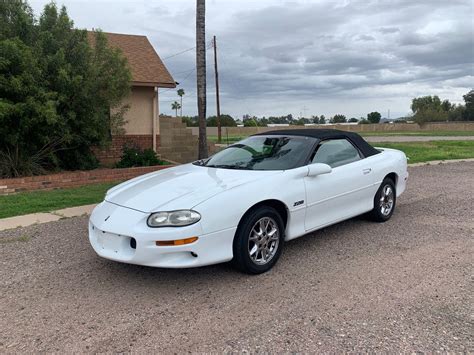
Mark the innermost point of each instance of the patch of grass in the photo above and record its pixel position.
(434, 150)
(46, 201)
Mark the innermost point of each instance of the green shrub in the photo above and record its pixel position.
(57, 89)
(14, 165)
(133, 156)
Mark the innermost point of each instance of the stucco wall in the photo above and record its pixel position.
(140, 115)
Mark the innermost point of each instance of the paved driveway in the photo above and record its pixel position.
(405, 285)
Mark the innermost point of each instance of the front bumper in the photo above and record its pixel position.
(121, 234)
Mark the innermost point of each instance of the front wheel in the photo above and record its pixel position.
(384, 201)
(259, 241)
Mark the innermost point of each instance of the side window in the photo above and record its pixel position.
(336, 152)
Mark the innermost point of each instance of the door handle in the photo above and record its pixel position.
(367, 171)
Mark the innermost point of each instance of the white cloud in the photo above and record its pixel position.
(276, 57)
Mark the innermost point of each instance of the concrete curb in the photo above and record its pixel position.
(438, 162)
(38, 218)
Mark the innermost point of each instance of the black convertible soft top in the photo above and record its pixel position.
(323, 134)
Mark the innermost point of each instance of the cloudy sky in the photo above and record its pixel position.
(303, 57)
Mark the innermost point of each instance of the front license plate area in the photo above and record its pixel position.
(112, 242)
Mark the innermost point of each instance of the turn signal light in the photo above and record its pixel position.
(167, 243)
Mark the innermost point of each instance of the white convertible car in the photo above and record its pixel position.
(244, 202)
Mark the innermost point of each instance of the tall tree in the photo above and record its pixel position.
(250, 122)
(17, 20)
(374, 117)
(190, 121)
(425, 103)
(201, 75)
(430, 109)
(56, 91)
(457, 113)
(181, 94)
(175, 106)
(338, 119)
(226, 121)
(468, 114)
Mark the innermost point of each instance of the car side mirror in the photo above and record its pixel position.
(318, 169)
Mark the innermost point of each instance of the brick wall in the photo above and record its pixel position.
(72, 179)
(175, 143)
(111, 154)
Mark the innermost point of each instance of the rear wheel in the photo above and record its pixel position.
(384, 201)
(259, 241)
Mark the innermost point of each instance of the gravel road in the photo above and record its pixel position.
(405, 285)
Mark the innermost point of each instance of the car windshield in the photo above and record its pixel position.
(263, 153)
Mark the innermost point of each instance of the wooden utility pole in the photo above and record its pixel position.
(218, 105)
(201, 75)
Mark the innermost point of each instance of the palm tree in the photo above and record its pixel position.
(181, 94)
(175, 106)
(201, 74)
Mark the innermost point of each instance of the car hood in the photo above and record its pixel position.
(179, 187)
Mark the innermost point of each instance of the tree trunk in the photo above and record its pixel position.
(201, 74)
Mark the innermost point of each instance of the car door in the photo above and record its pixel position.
(345, 191)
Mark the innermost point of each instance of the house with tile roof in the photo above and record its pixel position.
(148, 75)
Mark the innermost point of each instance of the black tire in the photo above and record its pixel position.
(243, 241)
(381, 201)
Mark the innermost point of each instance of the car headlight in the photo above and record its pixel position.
(173, 218)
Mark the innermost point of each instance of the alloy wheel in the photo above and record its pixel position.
(386, 200)
(263, 241)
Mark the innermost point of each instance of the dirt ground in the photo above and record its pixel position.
(406, 285)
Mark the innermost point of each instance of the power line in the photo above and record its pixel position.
(184, 71)
(187, 76)
(182, 52)
(191, 71)
(181, 81)
(209, 45)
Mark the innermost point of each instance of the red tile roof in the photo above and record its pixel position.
(146, 66)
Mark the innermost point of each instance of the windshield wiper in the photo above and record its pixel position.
(199, 162)
(224, 166)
